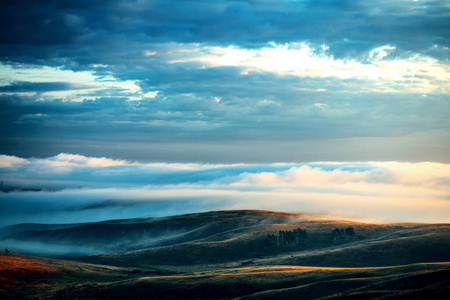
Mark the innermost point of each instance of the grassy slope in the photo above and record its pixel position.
(209, 264)
(116, 236)
(16, 271)
(33, 277)
(411, 245)
(286, 283)
(68, 279)
(376, 245)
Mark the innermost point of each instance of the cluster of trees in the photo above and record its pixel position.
(295, 237)
(339, 234)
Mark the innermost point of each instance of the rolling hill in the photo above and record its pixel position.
(231, 254)
(118, 236)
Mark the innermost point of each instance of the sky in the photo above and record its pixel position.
(257, 89)
(256, 81)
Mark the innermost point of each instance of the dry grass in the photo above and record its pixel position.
(69, 279)
(18, 271)
(279, 282)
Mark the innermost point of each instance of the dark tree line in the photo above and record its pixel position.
(295, 237)
(339, 234)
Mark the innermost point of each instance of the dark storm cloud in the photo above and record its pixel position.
(84, 32)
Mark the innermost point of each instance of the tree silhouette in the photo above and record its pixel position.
(350, 231)
(336, 234)
(295, 237)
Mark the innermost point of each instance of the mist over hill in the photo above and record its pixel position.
(116, 236)
(223, 236)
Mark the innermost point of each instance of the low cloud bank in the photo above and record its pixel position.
(71, 188)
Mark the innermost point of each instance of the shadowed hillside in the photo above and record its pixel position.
(375, 246)
(230, 236)
(117, 236)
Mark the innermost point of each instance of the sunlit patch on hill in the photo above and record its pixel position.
(20, 271)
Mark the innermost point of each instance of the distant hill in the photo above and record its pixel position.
(230, 236)
(116, 236)
(374, 245)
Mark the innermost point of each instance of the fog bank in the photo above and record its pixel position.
(73, 188)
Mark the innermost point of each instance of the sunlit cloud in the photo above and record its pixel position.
(386, 73)
(376, 191)
(8, 161)
(75, 160)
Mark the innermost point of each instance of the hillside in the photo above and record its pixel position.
(228, 236)
(249, 254)
(36, 278)
(372, 245)
(118, 236)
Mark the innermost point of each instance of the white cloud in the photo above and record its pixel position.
(24, 73)
(149, 53)
(380, 52)
(81, 84)
(320, 105)
(75, 160)
(418, 174)
(7, 161)
(381, 72)
(61, 160)
(151, 94)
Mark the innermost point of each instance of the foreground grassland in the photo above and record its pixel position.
(49, 278)
(224, 255)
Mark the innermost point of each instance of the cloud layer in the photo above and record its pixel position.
(226, 81)
(74, 188)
